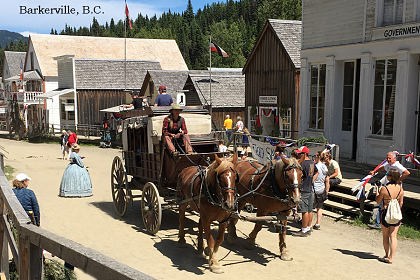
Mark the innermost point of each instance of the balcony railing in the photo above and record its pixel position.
(25, 96)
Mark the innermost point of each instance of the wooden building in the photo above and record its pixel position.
(88, 85)
(43, 49)
(272, 74)
(227, 92)
(174, 82)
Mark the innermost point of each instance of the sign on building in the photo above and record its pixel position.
(401, 31)
(264, 152)
(267, 99)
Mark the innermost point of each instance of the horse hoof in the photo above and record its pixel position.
(216, 269)
(207, 251)
(286, 257)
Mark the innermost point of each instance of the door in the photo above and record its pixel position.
(350, 107)
(356, 109)
(417, 148)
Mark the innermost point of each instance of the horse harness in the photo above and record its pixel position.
(212, 197)
(271, 170)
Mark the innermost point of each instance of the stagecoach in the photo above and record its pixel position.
(147, 170)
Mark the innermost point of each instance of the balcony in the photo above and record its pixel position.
(26, 97)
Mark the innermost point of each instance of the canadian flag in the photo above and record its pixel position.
(127, 14)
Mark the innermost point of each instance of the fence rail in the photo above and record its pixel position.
(27, 253)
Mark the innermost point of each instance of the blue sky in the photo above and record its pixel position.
(14, 18)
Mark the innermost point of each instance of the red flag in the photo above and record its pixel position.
(219, 50)
(127, 14)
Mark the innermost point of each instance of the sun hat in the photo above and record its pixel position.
(176, 107)
(75, 146)
(303, 149)
(162, 88)
(22, 177)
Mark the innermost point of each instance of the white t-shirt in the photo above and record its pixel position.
(319, 183)
(240, 126)
(397, 165)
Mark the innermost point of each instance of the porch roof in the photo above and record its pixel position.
(29, 75)
(51, 94)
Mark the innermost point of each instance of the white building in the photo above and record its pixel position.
(360, 75)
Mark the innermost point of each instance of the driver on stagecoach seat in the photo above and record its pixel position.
(174, 128)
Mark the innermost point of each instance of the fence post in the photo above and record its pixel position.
(24, 257)
(2, 162)
(35, 262)
(4, 259)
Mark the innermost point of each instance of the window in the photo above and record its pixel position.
(348, 94)
(286, 124)
(252, 118)
(317, 101)
(384, 97)
(393, 12)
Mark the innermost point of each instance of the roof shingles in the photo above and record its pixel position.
(109, 74)
(13, 61)
(227, 88)
(289, 32)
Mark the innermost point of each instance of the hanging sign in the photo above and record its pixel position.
(69, 107)
(268, 99)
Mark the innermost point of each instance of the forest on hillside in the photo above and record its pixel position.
(233, 25)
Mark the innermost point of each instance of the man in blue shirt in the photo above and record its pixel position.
(163, 99)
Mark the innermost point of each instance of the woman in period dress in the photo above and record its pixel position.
(76, 180)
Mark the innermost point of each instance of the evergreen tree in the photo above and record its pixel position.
(234, 25)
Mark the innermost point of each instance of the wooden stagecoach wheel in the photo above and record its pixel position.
(118, 186)
(151, 209)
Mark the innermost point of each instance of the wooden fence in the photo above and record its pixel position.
(27, 253)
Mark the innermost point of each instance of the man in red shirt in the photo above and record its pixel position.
(174, 129)
(72, 140)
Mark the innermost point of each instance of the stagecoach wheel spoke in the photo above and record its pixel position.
(151, 208)
(118, 187)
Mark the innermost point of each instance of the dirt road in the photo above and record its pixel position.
(337, 251)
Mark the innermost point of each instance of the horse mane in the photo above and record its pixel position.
(216, 169)
(280, 166)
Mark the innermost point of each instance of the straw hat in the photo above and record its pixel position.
(75, 146)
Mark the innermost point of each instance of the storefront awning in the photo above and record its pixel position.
(55, 92)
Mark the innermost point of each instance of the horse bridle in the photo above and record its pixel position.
(291, 186)
(228, 189)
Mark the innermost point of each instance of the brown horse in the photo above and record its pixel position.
(210, 192)
(256, 187)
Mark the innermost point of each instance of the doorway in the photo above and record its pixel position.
(417, 148)
(356, 109)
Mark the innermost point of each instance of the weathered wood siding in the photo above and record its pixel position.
(327, 23)
(65, 73)
(90, 102)
(272, 73)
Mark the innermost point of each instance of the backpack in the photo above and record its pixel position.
(393, 212)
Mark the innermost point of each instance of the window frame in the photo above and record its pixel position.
(380, 5)
(385, 84)
(317, 95)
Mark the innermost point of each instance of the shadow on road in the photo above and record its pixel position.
(360, 255)
(133, 216)
(183, 258)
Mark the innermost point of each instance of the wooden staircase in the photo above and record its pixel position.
(343, 205)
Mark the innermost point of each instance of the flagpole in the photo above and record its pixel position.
(125, 46)
(210, 71)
